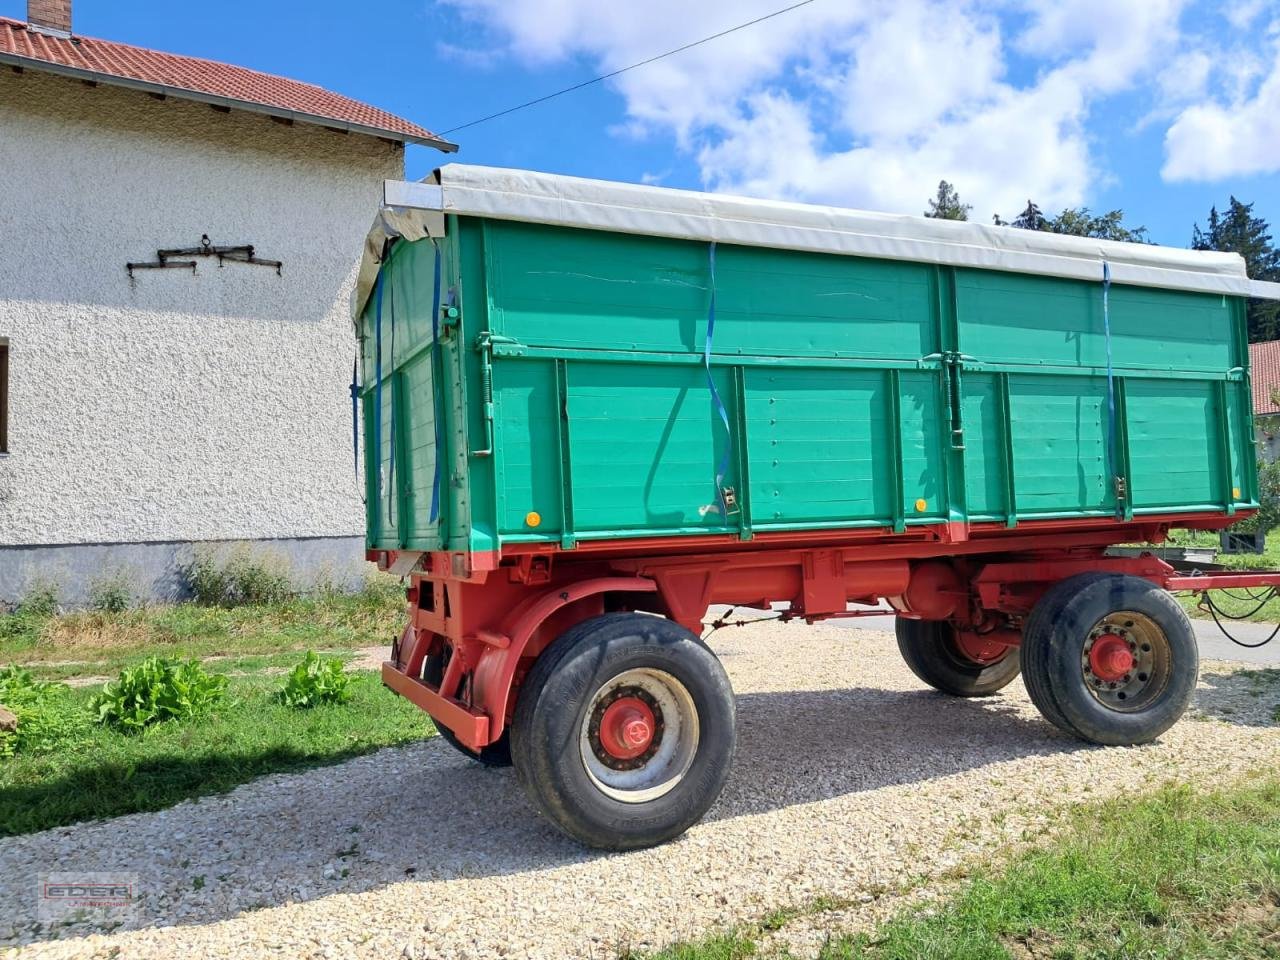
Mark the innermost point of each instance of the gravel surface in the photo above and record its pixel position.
(851, 781)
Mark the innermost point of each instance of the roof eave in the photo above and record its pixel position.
(147, 86)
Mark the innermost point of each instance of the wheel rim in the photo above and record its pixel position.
(1126, 661)
(639, 735)
(974, 650)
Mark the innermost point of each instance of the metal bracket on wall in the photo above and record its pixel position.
(176, 259)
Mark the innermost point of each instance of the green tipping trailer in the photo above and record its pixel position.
(593, 409)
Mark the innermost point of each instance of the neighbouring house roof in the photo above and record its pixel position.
(1264, 361)
(220, 84)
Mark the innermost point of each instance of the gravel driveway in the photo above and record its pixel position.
(850, 781)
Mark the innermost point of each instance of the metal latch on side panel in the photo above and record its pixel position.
(449, 318)
(952, 364)
(492, 345)
(730, 500)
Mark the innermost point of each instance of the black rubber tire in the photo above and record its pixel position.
(929, 650)
(496, 754)
(1046, 611)
(1053, 644)
(552, 707)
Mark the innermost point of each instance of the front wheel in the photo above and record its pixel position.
(1111, 659)
(623, 733)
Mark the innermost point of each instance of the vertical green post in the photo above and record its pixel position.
(948, 342)
(1122, 447)
(893, 385)
(1006, 450)
(743, 465)
(568, 539)
(1224, 448)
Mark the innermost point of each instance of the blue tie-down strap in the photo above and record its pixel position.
(726, 503)
(436, 387)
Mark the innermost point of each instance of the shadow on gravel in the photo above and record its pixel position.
(424, 812)
(1249, 698)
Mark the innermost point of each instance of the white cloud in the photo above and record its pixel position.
(1213, 140)
(866, 102)
(1242, 13)
(1186, 77)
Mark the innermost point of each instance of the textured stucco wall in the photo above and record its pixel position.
(174, 407)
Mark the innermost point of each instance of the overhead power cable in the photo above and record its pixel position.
(619, 72)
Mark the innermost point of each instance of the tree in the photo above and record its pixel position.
(946, 205)
(1237, 230)
(1076, 222)
(1030, 219)
(1080, 222)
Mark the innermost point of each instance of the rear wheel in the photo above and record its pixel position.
(942, 658)
(1111, 659)
(623, 733)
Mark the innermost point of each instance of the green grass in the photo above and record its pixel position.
(96, 772)
(728, 946)
(1173, 875)
(103, 643)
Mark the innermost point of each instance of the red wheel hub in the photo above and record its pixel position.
(980, 649)
(1110, 658)
(627, 728)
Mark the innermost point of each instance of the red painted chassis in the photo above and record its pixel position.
(494, 614)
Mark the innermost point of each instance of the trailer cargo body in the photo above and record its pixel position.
(590, 406)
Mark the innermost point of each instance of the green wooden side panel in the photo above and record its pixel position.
(527, 459)
(576, 288)
(779, 303)
(645, 443)
(385, 504)
(418, 428)
(582, 289)
(1059, 444)
(1173, 440)
(1017, 318)
(984, 452)
(819, 445)
(399, 488)
(922, 452)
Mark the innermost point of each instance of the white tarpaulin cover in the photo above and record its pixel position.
(415, 210)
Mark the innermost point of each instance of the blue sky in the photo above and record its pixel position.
(1161, 107)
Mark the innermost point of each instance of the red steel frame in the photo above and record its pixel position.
(494, 613)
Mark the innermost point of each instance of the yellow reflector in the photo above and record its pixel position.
(1235, 492)
(533, 518)
(922, 505)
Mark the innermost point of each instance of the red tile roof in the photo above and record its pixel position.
(1264, 359)
(207, 80)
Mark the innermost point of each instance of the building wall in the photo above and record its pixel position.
(1267, 436)
(172, 407)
